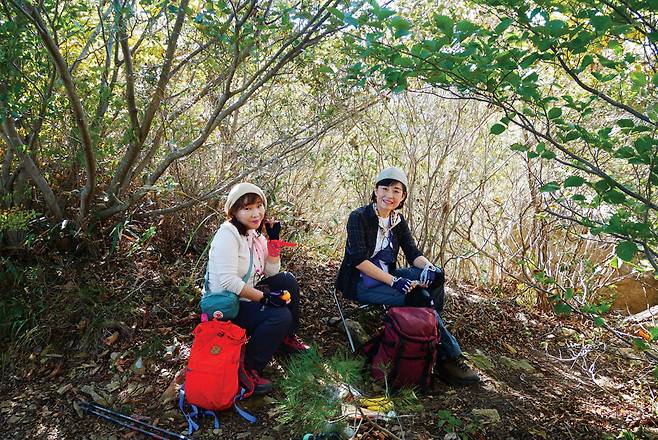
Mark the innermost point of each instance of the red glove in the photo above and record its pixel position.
(274, 247)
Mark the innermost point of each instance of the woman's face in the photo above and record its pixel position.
(251, 215)
(389, 196)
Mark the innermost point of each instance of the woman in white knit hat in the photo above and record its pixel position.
(369, 274)
(243, 261)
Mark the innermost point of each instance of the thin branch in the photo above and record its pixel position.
(76, 105)
(13, 140)
(600, 94)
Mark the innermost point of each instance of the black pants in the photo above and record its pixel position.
(267, 326)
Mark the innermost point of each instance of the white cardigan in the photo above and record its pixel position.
(228, 260)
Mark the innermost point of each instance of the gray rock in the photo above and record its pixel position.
(481, 360)
(486, 416)
(91, 392)
(517, 364)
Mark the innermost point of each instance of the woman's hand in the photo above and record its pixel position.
(274, 244)
(403, 285)
(428, 275)
(273, 229)
(277, 298)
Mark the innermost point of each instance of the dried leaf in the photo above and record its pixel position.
(112, 338)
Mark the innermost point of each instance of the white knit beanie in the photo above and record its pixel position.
(241, 189)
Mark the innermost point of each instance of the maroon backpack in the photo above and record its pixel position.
(405, 350)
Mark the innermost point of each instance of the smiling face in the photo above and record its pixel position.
(249, 211)
(388, 195)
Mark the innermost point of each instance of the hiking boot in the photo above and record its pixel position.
(456, 372)
(293, 344)
(261, 385)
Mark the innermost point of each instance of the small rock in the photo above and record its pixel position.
(78, 410)
(138, 366)
(13, 419)
(170, 414)
(521, 318)
(242, 435)
(64, 388)
(486, 416)
(481, 360)
(359, 335)
(520, 364)
(451, 436)
(91, 392)
(566, 331)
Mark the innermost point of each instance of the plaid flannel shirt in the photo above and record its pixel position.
(362, 228)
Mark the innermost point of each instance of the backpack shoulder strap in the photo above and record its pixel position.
(190, 417)
(245, 415)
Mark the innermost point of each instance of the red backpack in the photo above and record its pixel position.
(215, 378)
(405, 350)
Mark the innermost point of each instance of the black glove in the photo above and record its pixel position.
(273, 230)
(277, 298)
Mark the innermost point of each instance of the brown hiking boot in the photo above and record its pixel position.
(456, 372)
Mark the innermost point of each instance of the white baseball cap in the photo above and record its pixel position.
(394, 173)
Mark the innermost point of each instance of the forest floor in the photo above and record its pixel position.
(545, 377)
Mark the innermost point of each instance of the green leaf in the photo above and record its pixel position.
(555, 113)
(638, 78)
(548, 154)
(383, 13)
(587, 60)
(400, 23)
(562, 308)
(640, 344)
(503, 25)
(518, 147)
(598, 321)
(653, 331)
(555, 27)
(615, 197)
(349, 19)
(625, 123)
(445, 24)
(573, 182)
(336, 13)
(625, 153)
(644, 144)
(600, 22)
(602, 186)
(626, 250)
(550, 187)
(497, 129)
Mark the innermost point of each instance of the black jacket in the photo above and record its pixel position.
(362, 228)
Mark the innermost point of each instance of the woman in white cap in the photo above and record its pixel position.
(369, 274)
(244, 262)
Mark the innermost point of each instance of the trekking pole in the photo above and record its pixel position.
(130, 422)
